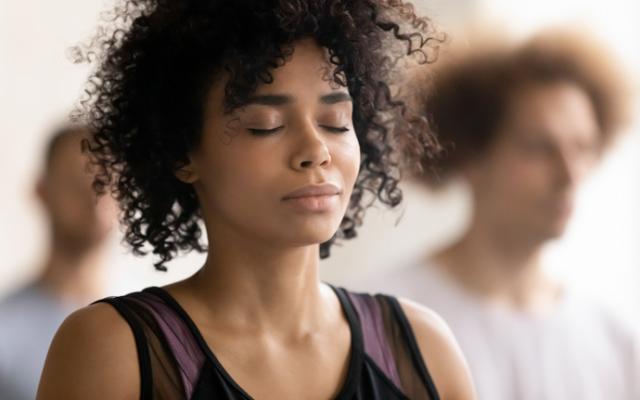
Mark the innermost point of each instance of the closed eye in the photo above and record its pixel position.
(264, 132)
(335, 129)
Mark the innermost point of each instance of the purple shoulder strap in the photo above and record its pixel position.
(174, 331)
(376, 342)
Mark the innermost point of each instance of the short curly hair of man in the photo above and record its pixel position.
(157, 59)
(467, 96)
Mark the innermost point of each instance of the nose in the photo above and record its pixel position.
(311, 150)
(568, 170)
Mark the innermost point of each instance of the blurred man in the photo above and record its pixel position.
(524, 127)
(71, 277)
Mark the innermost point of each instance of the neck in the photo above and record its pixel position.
(501, 268)
(74, 276)
(260, 287)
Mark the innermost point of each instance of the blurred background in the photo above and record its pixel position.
(600, 253)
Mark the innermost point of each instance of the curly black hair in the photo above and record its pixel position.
(156, 61)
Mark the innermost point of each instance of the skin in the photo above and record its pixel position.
(258, 300)
(524, 191)
(79, 225)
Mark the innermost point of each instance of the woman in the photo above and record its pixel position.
(269, 122)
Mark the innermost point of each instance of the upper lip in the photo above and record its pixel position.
(323, 189)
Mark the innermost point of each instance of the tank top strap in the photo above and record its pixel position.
(140, 337)
(390, 342)
(412, 350)
(169, 354)
(376, 344)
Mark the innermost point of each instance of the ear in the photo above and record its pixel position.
(40, 190)
(187, 173)
(472, 171)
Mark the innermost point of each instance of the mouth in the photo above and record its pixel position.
(318, 190)
(315, 198)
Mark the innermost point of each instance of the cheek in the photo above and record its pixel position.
(237, 177)
(73, 203)
(528, 174)
(521, 173)
(106, 212)
(510, 183)
(346, 155)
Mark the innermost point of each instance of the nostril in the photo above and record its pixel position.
(305, 164)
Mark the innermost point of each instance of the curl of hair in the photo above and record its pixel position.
(156, 60)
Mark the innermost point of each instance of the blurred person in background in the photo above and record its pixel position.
(523, 126)
(79, 226)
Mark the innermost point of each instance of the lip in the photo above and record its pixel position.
(318, 190)
(318, 198)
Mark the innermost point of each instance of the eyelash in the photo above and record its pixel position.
(334, 129)
(266, 132)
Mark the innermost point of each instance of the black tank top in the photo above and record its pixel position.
(176, 363)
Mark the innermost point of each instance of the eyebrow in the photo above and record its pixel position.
(336, 97)
(281, 99)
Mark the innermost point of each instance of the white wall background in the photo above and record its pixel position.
(600, 253)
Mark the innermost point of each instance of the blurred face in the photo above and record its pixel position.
(281, 169)
(547, 143)
(77, 218)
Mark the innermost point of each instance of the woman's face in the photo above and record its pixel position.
(281, 169)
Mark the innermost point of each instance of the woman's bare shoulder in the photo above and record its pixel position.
(440, 351)
(93, 355)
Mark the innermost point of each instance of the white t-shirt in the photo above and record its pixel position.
(29, 319)
(579, 351)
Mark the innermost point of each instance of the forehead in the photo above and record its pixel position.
(560, 109)
(305, 77)
(308, 68)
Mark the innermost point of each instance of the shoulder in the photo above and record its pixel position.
(604, 321)
(21, 311)
(622, 335)
(440, 351)
(93, 349)
(399, 281)
(17, 299)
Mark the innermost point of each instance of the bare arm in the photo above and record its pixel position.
(92, 356)
(439, 348)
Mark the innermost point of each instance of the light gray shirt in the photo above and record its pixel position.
(29, 319)
(577, 351)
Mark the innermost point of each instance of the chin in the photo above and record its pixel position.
(552, 231)
(312, 235)
(312, 238)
